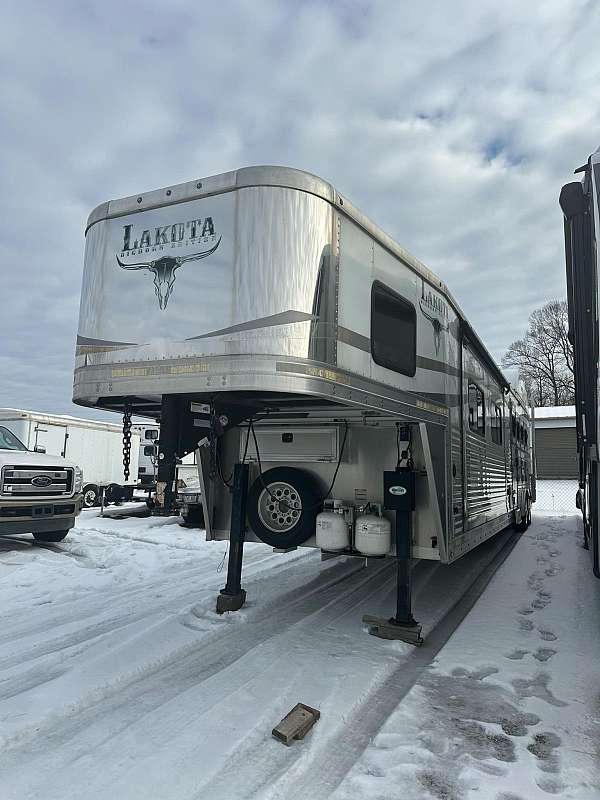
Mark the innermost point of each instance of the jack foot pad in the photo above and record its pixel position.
(388, 629)
(230, 602)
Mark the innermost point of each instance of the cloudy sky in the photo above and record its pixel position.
(453, 125)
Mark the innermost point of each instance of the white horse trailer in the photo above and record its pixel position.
(96, 446)
(283, 330)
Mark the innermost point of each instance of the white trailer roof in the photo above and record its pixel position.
(555, 417)
(57, 419)
(554, 412)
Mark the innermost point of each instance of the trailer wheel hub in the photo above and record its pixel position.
(279, 508)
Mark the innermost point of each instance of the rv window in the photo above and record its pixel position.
(149, 450)
(393, 330)
(476, 410)
(497, 425)
(151, 433)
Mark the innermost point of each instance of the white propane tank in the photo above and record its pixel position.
(372, 535)
(332, 531)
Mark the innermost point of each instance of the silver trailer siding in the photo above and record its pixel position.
(262, 285)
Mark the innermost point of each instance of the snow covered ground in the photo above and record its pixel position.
(118, 680)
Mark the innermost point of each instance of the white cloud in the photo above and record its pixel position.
(452, 125)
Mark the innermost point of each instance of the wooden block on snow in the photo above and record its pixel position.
(296, 724)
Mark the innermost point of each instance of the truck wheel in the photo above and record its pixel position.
(50, 536)
(194, 518)
(113, 493)
(284, 516)
(91, 494)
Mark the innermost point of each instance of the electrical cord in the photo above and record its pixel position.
(337, 469)
(226, 481)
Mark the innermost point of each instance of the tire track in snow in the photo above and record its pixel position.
(319, 776)
(316, 771)
(88, 606)
(82, 639)
(131, 697)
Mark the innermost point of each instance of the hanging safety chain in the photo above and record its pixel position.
(126, 440)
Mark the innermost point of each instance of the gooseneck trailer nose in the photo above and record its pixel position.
(277, 328)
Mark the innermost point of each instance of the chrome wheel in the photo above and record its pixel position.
(279, 508)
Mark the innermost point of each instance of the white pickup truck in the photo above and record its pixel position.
(39, 493)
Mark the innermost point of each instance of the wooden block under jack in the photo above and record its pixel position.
(388, 629)
(296, 724)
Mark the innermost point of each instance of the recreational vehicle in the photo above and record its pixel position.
(579, 202)
(328, 380)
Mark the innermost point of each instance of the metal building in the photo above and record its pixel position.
(556, 443)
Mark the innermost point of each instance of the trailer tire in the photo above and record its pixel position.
(525, 521)
(50, 536)
(115, 493)
(274, 521)
(91, 495)
(193, 518)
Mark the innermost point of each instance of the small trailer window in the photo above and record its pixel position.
(497, 425)
(393, 330)
(476, 410)
(149, 450)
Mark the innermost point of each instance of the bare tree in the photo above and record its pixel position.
(544, 356)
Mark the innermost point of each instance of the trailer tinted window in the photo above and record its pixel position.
(393, 331)
(476, 410)
(149, 450)
(497, 425)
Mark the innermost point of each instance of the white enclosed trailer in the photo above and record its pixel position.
(96, 446)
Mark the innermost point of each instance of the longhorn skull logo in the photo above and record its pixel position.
(435, 310)
(437, 329)
(164, 270)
